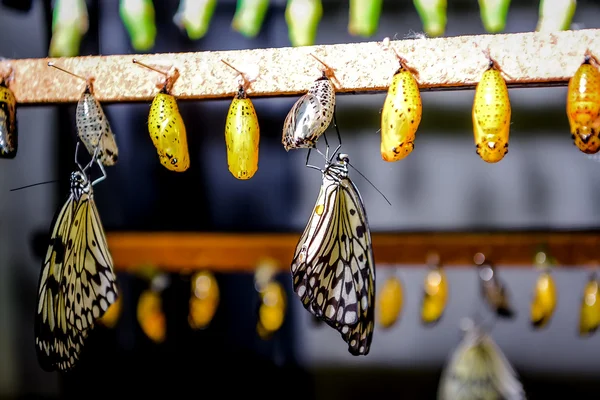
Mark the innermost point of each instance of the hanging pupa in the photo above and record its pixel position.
(435, 292)
(401, 113)
(493, 14)
(302, 18)
(166, 126)
(204, 299)
(391, 300)
(433, 16)
(364, 17)
(583, 105)
(312, 114)
(493, 289)
(491, 114)
(555, 15)
(9, 134)
(93, 127)
(194, 17)
(150, 315)
(242, 132)
(544, 297)
(273, 302)
(138, 16)
(589, 317)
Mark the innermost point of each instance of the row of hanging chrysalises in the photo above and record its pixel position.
(70, 19)
(205, 294)
(312, 114)
(476, 355)
(333, 265)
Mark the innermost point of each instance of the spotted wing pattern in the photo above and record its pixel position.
(333, 268)
(77, 282)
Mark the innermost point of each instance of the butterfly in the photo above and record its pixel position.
(333, 268)
(478, 370)
(77, 282)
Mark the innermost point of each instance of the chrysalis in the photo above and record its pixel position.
(583, 105)
(166, 126)
(401, 114)
(93, 127)
(491, 115)
(9, 135)
(242, 133)
(311, 115)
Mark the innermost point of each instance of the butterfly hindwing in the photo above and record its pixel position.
(333, 266)
(77, 282)
(89, 276)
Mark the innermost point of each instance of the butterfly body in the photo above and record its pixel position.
(583, 106)
(333, 268)
(168, 133)
(310, 116)
(9, 138)
(242, 136)
(77, 281)
(491, 116)
(94, 129)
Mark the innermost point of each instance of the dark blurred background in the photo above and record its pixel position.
(543, 183)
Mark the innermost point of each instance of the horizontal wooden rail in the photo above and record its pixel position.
(242, 252)
(530, 59)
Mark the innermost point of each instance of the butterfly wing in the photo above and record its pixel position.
(57, 344)
(89, 276)
(479, 370)
(333, 268)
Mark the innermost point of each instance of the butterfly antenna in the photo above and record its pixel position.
(35, 184)
(371, 183)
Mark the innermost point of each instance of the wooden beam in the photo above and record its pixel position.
(531, 59)
(241, 252)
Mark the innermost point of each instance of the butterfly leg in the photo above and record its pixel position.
(307, 159)
(103, 177)
(337, 130)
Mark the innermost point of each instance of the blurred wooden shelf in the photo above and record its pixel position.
(241, 252)
(529, 59)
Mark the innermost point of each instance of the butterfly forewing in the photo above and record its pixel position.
(333, 267)
(94, 129)
(76, 279)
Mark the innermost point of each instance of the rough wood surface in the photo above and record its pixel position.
(528, 59)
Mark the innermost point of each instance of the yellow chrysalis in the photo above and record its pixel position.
(9, 137)
(583, 105)
(166, 126)
(401, 114)
(390, 302)
(204, 299)
(242, 133)
(589, 317)
(435, 293)
(491, 114)
(273, 302)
